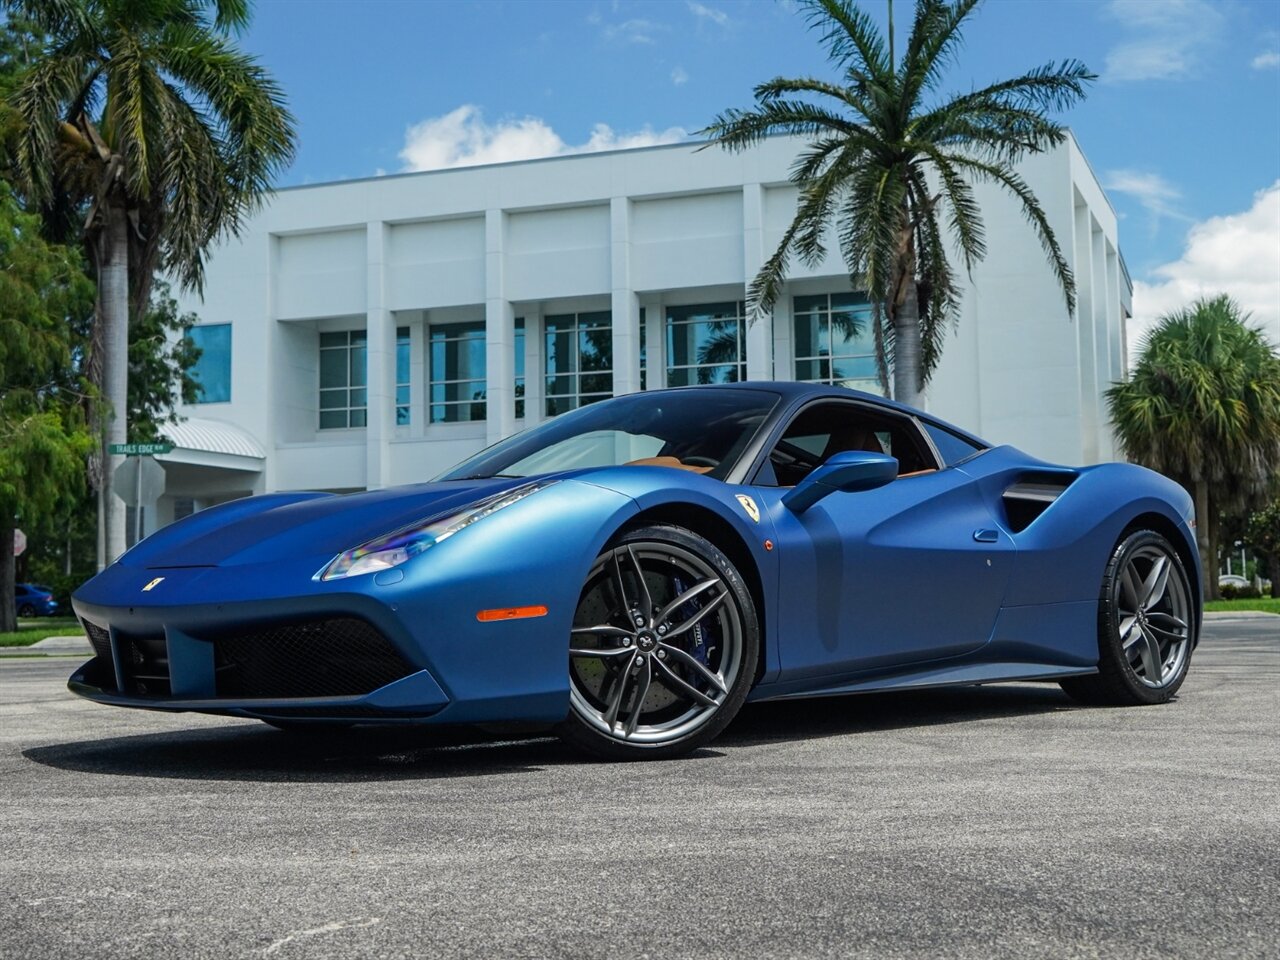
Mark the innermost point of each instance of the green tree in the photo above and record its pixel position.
(43, 440)
(147, 115)
(1203, 407)
(891, 167)
(1263, 535)
(161, 357)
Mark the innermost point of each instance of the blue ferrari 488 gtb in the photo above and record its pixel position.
(635, 570)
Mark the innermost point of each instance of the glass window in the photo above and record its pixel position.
(344, 394)
(458, 386)
(519, 367)
(579, 360)
(706, 344)
(835, 341)
(403, 415)
(951, 447)
(702, 431)
(213, 370)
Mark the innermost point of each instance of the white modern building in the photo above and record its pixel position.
(374, 332)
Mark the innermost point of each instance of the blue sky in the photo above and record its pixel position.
(1183, 126)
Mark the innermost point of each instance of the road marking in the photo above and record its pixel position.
(356, 924)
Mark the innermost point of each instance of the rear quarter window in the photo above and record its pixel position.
(951, 446)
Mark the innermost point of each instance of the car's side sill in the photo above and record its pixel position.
(957, 675)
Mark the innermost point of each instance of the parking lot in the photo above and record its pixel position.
(980, 822)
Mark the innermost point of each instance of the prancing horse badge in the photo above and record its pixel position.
(749, 505)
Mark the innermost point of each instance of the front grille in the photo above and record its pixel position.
(102, 668)
(326, 658)
(144, 661)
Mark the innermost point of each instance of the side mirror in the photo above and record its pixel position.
(846, 472)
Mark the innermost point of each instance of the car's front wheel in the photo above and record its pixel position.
(1146, 625)
(663, 648)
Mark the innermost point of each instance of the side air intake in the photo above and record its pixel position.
(1031, 496)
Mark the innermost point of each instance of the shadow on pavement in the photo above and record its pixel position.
(255, 752)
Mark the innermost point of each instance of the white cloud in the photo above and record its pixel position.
(636, 30)
(1266, 61)
(1156, 194)
(1164, 41)
(462, 138)
(703, 12)
(1237, 254)
(679, 77)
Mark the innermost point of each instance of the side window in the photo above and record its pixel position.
(951, 447)
(825, 429)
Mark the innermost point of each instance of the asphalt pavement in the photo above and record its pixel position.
(978, 822)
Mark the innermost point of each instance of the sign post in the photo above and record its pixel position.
(139, 472)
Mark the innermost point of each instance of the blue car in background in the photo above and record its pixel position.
(633, 571)
(33, 600)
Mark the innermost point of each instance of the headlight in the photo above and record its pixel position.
(407, 542)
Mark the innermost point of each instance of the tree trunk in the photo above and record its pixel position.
(8, 615)
(1208, 568)
(1212, 591)
(113, 293)
(906, 345)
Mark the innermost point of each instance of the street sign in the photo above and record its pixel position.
(139, 449)
(139, 481)
(19, 543)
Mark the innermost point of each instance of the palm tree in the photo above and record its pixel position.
(891, 169)
(1203, 406)
(145, 119)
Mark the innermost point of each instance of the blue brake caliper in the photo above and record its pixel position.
(702, 640)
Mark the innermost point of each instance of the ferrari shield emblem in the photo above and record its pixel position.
(153, 584)
(749, 505)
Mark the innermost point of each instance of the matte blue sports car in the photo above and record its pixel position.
(635, 570)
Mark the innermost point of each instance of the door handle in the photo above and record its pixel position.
(986, 536)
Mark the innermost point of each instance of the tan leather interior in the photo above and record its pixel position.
(916, 473)
(666, 462)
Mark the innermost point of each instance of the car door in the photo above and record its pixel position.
(909, 572)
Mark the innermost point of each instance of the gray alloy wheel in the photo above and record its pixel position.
(663, 647)
(1146, 625)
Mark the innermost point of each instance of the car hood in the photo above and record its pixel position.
(282, 527)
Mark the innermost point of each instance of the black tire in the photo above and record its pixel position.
(27, 611)
(1126, 671)
(658, 656)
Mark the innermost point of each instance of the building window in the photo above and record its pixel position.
(403, 415)
(343, 387)
(579, 359)
(457, 372)
(705, 344)
(519, 367)
(835, 341)
(212, 371)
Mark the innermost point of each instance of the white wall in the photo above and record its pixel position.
(651, 228)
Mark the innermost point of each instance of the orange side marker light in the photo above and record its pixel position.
(510, 613)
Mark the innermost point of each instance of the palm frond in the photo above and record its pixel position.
(850, 35)
(1032, 212)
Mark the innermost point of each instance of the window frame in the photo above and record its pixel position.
(472, 326)
(910, 421)
(739, 319)
(230, 360)
(349, 409)
(831, 358)
(577, 373)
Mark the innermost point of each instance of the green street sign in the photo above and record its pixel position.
(139, 449)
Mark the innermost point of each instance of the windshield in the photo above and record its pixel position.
(700, 430)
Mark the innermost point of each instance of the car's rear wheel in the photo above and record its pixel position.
(663, 648)
(26, 610)
(1146, 626)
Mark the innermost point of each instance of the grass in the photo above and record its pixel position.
(33, 631)
(1265, 604)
